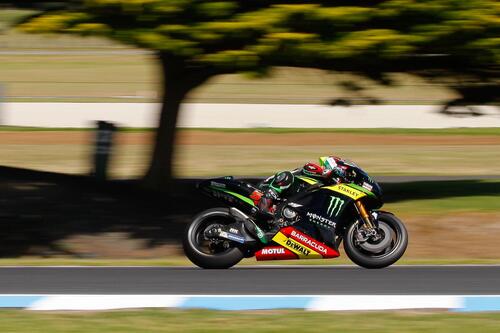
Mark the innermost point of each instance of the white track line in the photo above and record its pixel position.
(260, 266)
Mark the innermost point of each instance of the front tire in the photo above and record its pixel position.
(195, 243)
(366, 256)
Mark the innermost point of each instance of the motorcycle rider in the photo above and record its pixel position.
(330, 170)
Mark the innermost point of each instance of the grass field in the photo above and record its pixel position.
(262, 152)
(131, 161)
(130, 77)
(452, 204)
(253, 160)
(378, 159)
(262, 321)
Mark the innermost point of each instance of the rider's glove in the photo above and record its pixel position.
(271, 194)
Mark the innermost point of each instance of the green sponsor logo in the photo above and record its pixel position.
(335, 206)
(260, 234)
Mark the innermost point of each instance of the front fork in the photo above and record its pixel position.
(367, 218)
(370, 227)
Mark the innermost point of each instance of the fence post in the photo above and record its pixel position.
(103, 149)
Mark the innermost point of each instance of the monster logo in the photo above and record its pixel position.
(335, 206)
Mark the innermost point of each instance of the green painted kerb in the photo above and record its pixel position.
(239, 196)
(362, 189)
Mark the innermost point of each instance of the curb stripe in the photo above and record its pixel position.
(18, 301)
(105, 302)
(384, 302)
(478, 304)
(247, 303)
(456, 303)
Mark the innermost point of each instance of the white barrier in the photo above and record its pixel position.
(196, 115)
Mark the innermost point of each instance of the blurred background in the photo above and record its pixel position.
(426, 128)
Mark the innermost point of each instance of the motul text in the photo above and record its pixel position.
(273, 251)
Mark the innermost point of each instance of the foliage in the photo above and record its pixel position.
(371, 37)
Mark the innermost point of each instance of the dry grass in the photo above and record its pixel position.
(205, 153)
(204, 161)
(96, 78)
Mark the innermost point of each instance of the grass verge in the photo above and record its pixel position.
(272, 321)
(443, 197)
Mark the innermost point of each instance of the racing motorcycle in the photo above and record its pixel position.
(310, 224)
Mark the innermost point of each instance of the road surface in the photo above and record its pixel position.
(313, 280)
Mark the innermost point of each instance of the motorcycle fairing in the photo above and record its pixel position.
(275, 253)
(308, 180)
(354, 191)
(323, 207)
(350, 190)
(325, 210)
(230, 191)
(295, 245)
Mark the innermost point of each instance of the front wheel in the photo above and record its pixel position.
(207, 252)
(381, 253)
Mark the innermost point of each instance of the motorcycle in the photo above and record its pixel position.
(310, 224)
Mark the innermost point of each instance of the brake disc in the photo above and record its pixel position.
(381, 244)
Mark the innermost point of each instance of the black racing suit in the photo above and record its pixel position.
(283, 185)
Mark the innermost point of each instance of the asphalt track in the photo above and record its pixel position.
(312, 280)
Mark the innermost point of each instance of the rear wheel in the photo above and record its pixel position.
(381, 252)
(208, 252)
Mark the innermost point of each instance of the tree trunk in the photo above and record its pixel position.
(178, 80)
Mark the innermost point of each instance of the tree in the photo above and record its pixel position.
(198, 39)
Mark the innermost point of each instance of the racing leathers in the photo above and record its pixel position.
(286, 183)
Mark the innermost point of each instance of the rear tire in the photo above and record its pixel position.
(390, 255)
(193, 237)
